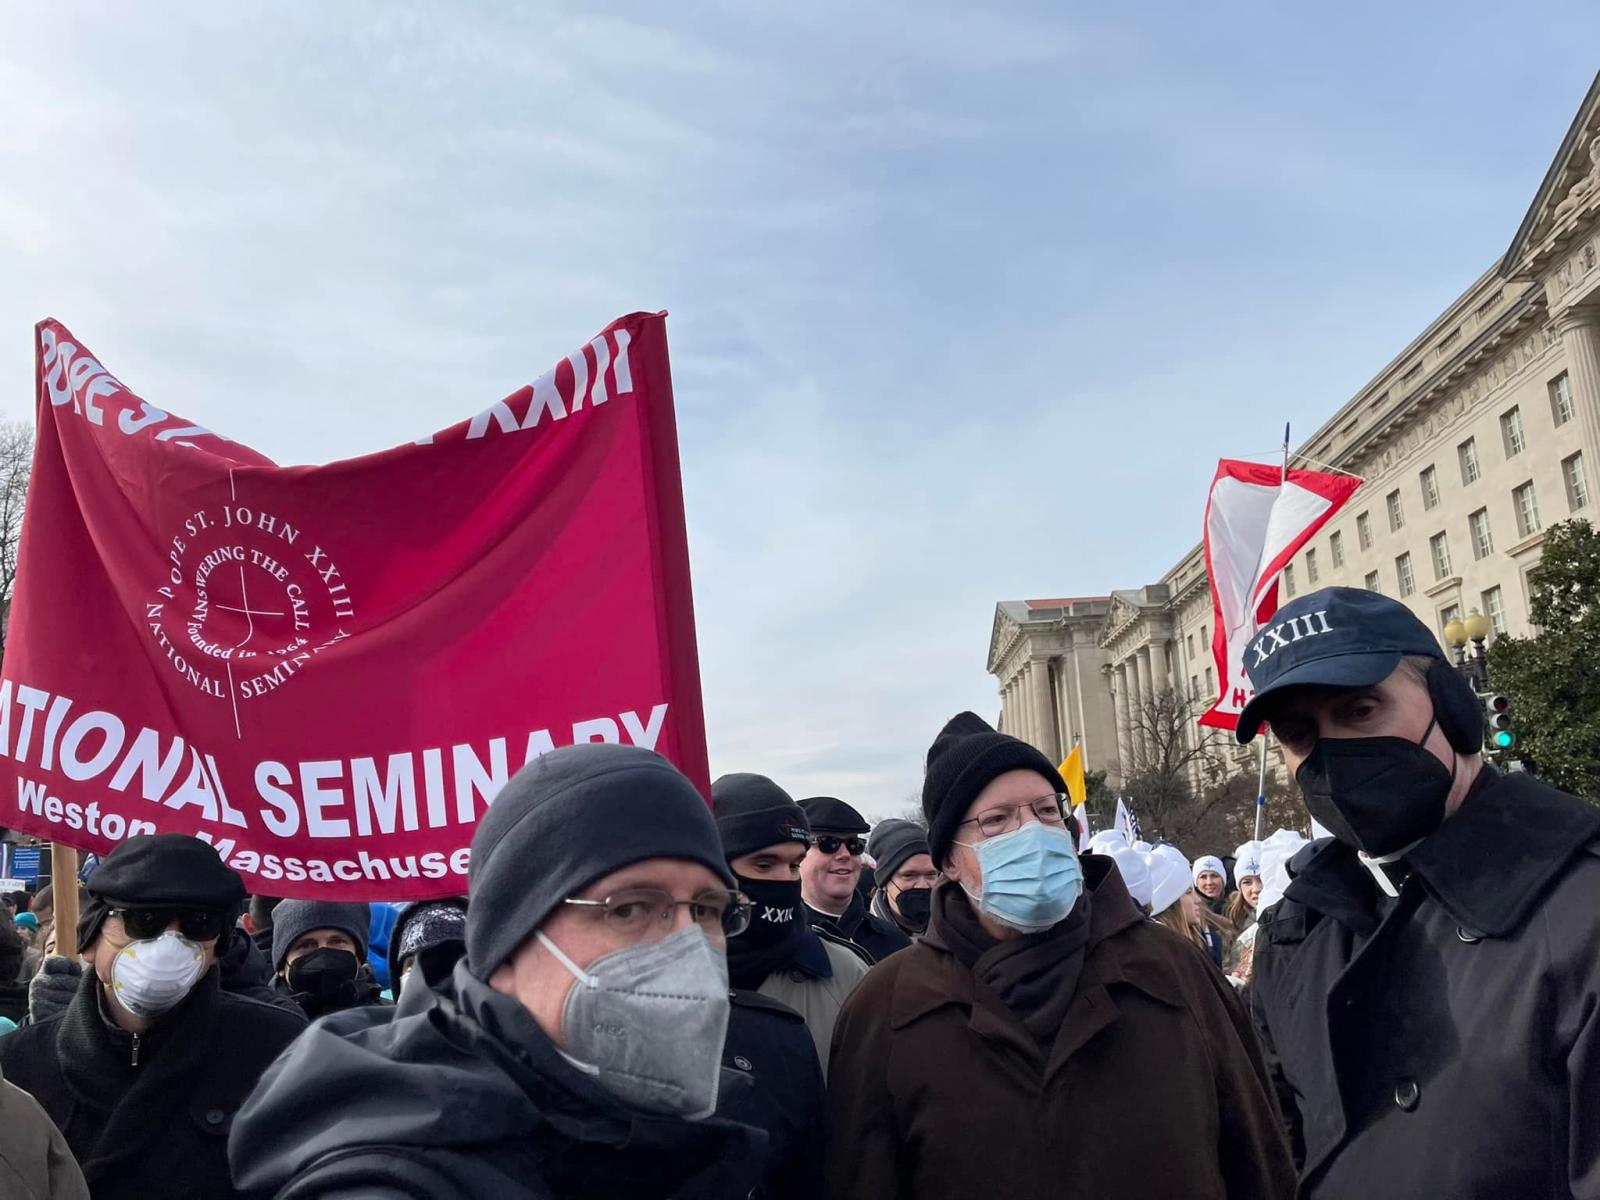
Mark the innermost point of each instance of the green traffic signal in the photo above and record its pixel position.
(1498, 710)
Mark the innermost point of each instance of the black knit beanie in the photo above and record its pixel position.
(753, 813)
(568, 818)
(423, 924)
(892, 842)
(966, 756)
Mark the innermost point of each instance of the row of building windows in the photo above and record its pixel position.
(1513, 437)
(1525, 503)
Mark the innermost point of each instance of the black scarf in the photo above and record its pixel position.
(1036, 975)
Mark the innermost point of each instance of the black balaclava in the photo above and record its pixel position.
(754, 813)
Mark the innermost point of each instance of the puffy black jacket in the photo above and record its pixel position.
(768, 1042)
(150, 1118)
(456, 1094)
(1445, 1043)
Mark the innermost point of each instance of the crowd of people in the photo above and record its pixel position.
(646, 996)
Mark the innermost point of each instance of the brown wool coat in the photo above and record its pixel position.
(1155, 1086)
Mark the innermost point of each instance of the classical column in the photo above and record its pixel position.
(1580, 337)
(1080, 714)
(1135, 707)
(1066, 702)
(1147, 695)
(1024, 729)
(1044, 730)
(1158, 666)
(1119, 687)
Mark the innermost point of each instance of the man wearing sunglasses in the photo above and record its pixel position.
(145, 1069)
(575, 1051)
(831, 873)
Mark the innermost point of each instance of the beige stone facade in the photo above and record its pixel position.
(1052, 671)
(1479, 435)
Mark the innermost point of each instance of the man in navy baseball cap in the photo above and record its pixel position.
(1442, 945)
(1335, 638)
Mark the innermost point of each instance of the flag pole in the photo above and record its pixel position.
(64, 887)
(1261, 774)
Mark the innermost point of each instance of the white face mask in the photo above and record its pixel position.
(153, 976)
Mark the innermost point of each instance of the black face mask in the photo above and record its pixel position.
(914, 906)
(776, 921)
(325, 980)
(774, 911)
(1378, 794)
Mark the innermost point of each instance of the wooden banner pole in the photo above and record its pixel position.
(64, 887)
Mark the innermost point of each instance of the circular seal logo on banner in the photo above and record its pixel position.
(249, 599)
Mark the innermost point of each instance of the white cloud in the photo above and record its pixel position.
(965, 300)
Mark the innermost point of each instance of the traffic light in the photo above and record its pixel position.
(1502, 737)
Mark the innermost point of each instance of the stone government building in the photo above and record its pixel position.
(1477, 436)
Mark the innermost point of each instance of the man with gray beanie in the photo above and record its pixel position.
(575, 1051)
(904, 874)
(319, 955)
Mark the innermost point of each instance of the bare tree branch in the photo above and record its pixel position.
(1181, 781)
(16, 462)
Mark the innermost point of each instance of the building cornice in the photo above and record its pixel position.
(1526, 311)
(1545, 225)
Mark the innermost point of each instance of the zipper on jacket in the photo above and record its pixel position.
(135, 1061)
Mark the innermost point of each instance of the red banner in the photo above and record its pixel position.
(328, 672)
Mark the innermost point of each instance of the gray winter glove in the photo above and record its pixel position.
(52, 989)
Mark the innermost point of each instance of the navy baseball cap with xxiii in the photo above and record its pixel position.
(1336, 637)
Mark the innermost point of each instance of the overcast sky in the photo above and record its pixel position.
(965, 304)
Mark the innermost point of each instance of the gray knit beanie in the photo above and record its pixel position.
(293, 919)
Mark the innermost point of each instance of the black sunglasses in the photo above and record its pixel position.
(196, 924)
(829, 844)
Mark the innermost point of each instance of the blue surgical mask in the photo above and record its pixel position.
(1031, 877)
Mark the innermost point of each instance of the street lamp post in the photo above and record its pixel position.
(1474, 666)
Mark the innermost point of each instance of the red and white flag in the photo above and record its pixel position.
(329, 671)
(1257, 519)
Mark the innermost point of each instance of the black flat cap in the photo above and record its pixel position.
(170, 869)
(830, 815)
